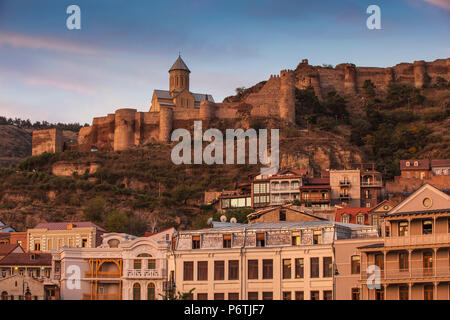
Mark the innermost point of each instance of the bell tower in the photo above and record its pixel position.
(179, 76)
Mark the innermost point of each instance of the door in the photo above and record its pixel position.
(428, 263)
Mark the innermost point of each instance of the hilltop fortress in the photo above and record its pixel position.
(178, 107)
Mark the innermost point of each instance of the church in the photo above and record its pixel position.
(178, 96)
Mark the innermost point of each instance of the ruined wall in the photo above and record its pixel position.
(50, 140)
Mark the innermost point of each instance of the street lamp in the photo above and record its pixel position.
(26, 293)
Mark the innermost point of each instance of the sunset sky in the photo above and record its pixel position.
(125, 48)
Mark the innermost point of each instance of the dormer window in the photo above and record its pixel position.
(261, 239)
(408, 163)
(416, 164)
(195, 242)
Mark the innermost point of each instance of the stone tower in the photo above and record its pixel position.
(350, 79)
(124, 129)
(165, 123)
(179, 76)
(419, 73)
(287, 96)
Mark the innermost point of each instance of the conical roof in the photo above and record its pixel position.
(179, 65)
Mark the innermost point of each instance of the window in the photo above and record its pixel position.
(253, 269)
(379, 293)
(151, 264)
(188, 271)
(151, 291)
(227, 240)
(85, 241)
(403, 261)
(327, 267)
(233, 270)
(137, 264)
(260, 239)
(314, 267)
(299, 268)
(427, 226)
(268, 269)
(219, 270)
(360, 218)
(202, 296)
(37, 245)
(427, 202)
(287, 269)
(317, 237)
(428, 262)
(328, 295)
(253, 296)
(379, 261)
(355, 294)
(219, 296)
(233, 296)
(282, 215)
(428, 292)
(314, 295)
(287, 295)
(296, 237)
(267, 296)
(202, 270)
(403, 229)
(299, 295)
(345, 218)
(356, 264)
(195, 242)
(136, 291)
(403, 293)
(416, 164)
(408, 163)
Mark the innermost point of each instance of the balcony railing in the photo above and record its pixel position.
(415, 273)
(344, 196)
(146, 273)
(316, 199)
(344, 183)
(101, 296)
(412, 240)
(103, 274)
(371, 184)
(291, 188)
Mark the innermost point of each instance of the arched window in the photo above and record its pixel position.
(136, 291)
(4, 295)
(151, 291)
(151, 263)
(345, 218)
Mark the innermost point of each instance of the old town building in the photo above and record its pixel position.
(413, 256)
(123, 267)
(261, 261)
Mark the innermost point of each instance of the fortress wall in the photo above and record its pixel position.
(226, 110)
(150, 117)
(50, 140)
(166, 116)
(269, 93)
(186, 113)
(287, 96)
(331, 79)
(150, 132)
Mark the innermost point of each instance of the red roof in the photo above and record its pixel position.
(422, 164)
(27, 259)
(63, 225)
(352, 212)
(440, 163)
(5, 249)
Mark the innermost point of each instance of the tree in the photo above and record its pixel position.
(369, 89)
(240, 90)
(172, 295)
(94, 209)
(117, 221)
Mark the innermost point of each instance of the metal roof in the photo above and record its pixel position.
(179, 65)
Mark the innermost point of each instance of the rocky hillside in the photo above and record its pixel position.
(15, 144)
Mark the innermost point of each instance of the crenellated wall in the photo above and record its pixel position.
(276, 99)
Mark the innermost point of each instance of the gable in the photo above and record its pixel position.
(383, 207)
(416, 201)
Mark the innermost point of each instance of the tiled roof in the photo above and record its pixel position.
(440, 163)
(179, 65)
(27, 259)
(417, 212)
(198, 97)
(5, 249)
(422, 164)
(352, 210)
(63, 225)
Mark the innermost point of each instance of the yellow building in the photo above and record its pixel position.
(46, 237)
(178, 94)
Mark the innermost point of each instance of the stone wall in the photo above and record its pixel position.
(50, 140)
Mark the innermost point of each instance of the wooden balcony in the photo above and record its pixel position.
(102, 296)
(103, 274)
(316, 199)
(418, 240)
(415, 274)
(146, 273)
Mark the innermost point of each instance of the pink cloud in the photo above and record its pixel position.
(440, 3)
(19, 40)
(60, 85)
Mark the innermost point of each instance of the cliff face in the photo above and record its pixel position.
(15, 144)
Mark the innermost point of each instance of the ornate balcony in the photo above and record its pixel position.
(344, 183)
(102, 296)
(414, 274)
(344, 196)
(146, 273)
(103, 274)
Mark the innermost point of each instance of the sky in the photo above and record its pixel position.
(124, 49)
